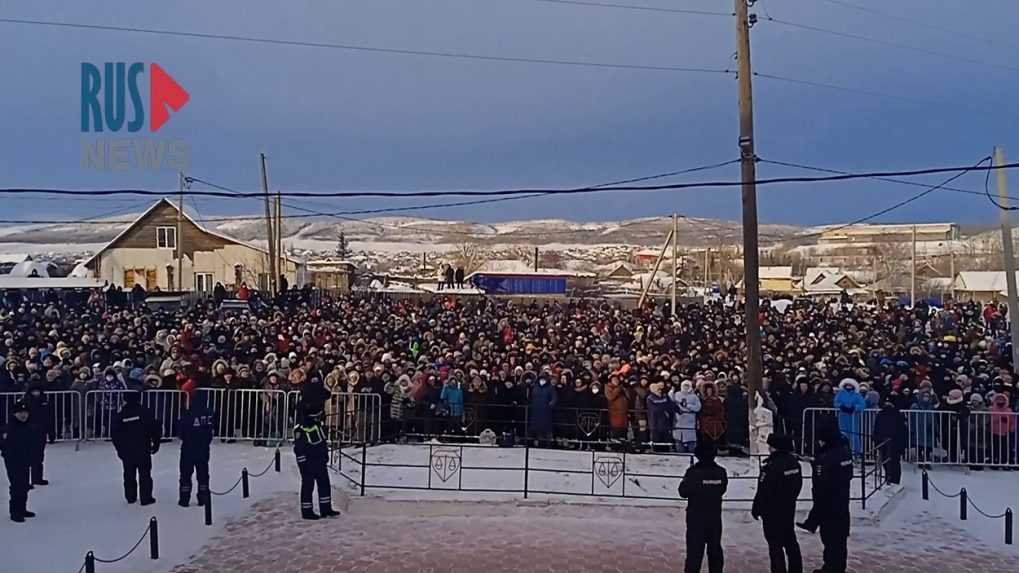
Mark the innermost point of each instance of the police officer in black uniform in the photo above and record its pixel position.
(39, 420)
(196, 433)
(312, 452)
(17, 440)
(703, 486)
(136, 435)
(833, 473)
(780, 484)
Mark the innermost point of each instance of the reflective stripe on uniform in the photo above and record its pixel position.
(792, 472)
(132, 419)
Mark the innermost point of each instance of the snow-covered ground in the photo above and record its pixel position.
(83, 509)
(554, 475)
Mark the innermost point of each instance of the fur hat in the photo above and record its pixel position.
(955, 396)
(849, 384)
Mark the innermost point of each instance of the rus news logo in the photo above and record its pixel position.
(112, 102)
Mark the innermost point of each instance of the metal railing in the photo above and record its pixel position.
(525, 471)
(934, 437)
(63, 413)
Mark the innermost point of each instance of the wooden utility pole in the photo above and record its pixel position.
(270, 234)
(535, 259)
(1007, 251)
(180, 233)
(951, 266)
(707, 269)
(654, 271)
(675, 262)
(281, 259)
(912, 276)
(748, 175)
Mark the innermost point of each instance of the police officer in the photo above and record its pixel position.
(17, 440)
(703, 486)
(136, 435)
(833, 473)
(196, 432)
(39, 420)
(312, 452)
(780, 484)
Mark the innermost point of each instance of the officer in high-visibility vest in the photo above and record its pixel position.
(312, 451)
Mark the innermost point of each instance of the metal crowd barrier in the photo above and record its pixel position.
(936, 437)
(64, 421)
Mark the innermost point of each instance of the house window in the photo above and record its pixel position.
(203, 282)
(166, 238)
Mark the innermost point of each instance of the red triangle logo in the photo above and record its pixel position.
(163, 91)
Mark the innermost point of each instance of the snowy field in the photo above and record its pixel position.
(83, 509)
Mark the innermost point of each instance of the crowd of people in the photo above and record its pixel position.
(568, 374)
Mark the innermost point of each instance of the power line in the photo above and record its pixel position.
(512, 192)
(885, 179)
(638, 8)
(902, 203)
(847, 89)
(363, 48)
(929, 26)
(888, 43)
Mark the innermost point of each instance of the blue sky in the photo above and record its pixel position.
(341, 120)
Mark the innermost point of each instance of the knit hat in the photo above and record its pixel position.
(955, 396)
(781, 442)
(705, 451)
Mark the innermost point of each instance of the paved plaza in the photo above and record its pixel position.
(385, 536)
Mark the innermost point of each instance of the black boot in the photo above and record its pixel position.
(184, 501)
(328, 511)
(308, 514)
(17, 519)
(27, 513)
(41, 482)
(149, 501)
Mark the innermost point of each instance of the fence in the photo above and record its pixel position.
(63, 413)
(241, 414)
(525, 471)
(965, 502)
(934, 437)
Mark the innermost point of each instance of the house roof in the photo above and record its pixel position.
(981, 281)
(25, 269)
(775, 273)
(14, 258)
(828, 280)
(520, 268)
(190, 220)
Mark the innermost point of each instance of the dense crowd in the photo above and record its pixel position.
(571, 373)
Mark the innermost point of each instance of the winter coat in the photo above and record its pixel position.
(684, 426)
(890, 426)
(400, 391)
(762, 426)
(197, 427)
(452, 398)
(135, 432)
(850, 405)
(1003, 421)
(543, 403)
(922, 424)
(659, 416)
(735, 409)
(711, 420)
(618, 406)
(17, 443)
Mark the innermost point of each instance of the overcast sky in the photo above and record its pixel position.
(352, 120)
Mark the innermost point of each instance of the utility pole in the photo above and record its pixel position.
(281, 259)
(654, 271)
(951, 267)
(535, 259)
(180, 232)
(1006, 249)
(675, 256)
(912, 276)
(269, 228)
(748, 175)
(707, 269)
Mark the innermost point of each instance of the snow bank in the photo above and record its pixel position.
(83, 509)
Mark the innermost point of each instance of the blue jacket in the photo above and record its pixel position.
(850, 405)
(453, 398)
(541, 417)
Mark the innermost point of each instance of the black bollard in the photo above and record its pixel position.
(208, 509)
(962, 504)
(90, 563)
(1008, 526)
(153, 538)
(244, 483)
(926, 486)
(277, 460)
